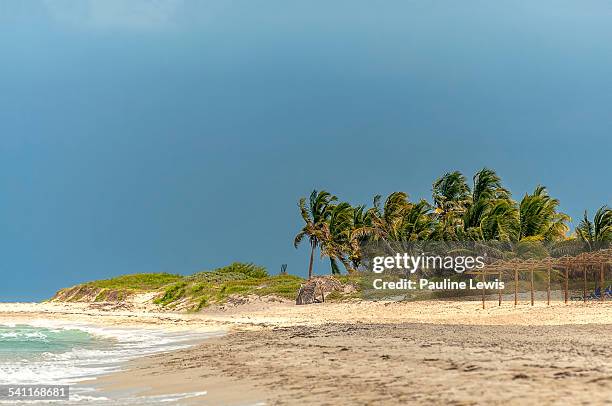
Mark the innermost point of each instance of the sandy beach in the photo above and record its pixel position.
(366, 352)
(279, 203)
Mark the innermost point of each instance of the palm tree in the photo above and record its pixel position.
(388, 220)
(451, 192)
(598, 232)
(337, 241)
(315, 214)
(500, 223)
(417, 222)
(539, 219)
(451, 196)
(361, 228)
(483, 212)
(398, 219)
(490, 210)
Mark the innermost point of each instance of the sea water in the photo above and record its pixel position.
(60, 354)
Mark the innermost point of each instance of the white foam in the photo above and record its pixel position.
(79, 364)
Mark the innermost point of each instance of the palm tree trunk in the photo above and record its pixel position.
(312, 249)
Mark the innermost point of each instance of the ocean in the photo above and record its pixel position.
(60, 354)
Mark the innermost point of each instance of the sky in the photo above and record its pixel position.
(177, 136)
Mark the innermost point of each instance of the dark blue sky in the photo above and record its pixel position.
(147, 136)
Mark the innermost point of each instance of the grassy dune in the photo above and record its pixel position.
(192, 292)
(140, 282)
(204, 288)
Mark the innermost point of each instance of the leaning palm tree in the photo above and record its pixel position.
(361, 230)
(596, 233)
(387, 222)
(451, 196)
(315, 213)
(490, 212)
(539, 219)
(450, 192)
(336, 243)
(397, 220)
(500, 223)
(417, 223)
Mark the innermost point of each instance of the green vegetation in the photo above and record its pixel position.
(205, 288)
(237, 270)
(172, 294)
(597, 232)
(112, 295)
(136, 282)
(316, 214)
(192, 292)
(481, 211)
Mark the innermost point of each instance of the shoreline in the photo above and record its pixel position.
(278, 353)
(135, 336)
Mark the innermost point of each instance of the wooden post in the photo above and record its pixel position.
(566, 284)
(602, 282)
(548, 288)
(499, 287)
(484, 275)
(531, 286)
(584, 284)
(515, 287)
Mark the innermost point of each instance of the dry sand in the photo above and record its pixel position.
(371, 353)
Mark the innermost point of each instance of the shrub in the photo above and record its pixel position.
(172, 294)
(139, 281)
(250, 271)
